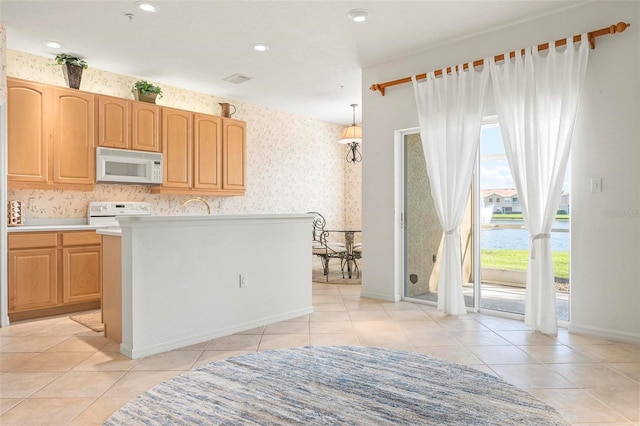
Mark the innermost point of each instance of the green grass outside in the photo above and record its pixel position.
(518, 259)
(518, 216)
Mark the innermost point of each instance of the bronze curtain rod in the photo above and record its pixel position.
(618, 28)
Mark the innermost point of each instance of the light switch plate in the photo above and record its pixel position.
(596, 184)
(244, 280)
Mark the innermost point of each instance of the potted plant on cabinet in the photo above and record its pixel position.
(72, 69)
(146, 92)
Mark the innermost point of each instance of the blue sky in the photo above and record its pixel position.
(495, 173)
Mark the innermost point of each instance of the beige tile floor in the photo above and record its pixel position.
(55, 371)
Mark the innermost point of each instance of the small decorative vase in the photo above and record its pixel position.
(148, 97)
(225, 109)
(72, 75)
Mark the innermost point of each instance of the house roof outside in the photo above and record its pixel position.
(507, 192)
(500, 192)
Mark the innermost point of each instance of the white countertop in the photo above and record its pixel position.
(192, 219)
(44, 225)
(114, 232)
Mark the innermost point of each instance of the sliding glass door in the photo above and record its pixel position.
(504, 241)
(423, 233)
(493, 219)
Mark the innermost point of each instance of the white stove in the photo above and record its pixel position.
(105, 213)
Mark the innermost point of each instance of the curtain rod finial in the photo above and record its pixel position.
(377, 87)
(621, 26)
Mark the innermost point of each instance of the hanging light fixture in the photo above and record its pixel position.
(352, 136)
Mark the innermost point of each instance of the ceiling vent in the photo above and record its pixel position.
(237, 79)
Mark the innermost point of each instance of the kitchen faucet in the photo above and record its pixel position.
(202, 200)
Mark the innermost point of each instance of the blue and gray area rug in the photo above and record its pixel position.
(335, 385)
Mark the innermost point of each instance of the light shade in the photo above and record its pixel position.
(351, 134)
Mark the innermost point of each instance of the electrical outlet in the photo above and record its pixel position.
(244, 280)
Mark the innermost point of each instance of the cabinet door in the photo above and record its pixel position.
(234, 152)
(113, 122)
(32, 279)
(145, 126)
(81, 274)
(207, 152)
(74, 137)
(29, 130)
(177, 148)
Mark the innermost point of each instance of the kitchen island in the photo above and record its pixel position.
(189, 279)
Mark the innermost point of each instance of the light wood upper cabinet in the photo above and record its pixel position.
(53, 133)
(73, 137)
(126, 124)
(145, 126)
(234, 152)
(113, 122)
(52, 136)
(207, 152)
(211, 163)
(177, 148)
(29, 131)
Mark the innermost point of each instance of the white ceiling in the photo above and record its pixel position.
(313, 67)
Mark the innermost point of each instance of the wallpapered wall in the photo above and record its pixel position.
(294, 163)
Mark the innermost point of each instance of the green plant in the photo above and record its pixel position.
(144, 87)
(64, 58)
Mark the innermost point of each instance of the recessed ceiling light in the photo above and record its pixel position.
(53, 44)
(358, 15)
(260, 47)
(146, 6)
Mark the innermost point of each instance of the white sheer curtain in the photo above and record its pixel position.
(450, 113)
(537, 97)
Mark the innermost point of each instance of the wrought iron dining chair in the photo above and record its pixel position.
(324, 249)
(357, 254)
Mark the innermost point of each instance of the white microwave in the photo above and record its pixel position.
(127, 166)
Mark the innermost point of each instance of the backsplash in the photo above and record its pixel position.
(294, 163)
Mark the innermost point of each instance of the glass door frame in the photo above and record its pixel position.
(401, 277)
(400, 263)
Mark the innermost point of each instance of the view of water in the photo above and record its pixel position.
(518, 239)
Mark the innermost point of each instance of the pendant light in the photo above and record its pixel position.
(352, 136)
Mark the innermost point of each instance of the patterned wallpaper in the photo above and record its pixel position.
(294, 163)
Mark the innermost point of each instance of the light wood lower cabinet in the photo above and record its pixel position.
(53, 272)
(81, 274)
(112, 287)
(32, 279)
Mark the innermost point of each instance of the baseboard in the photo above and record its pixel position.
(380, 296)
(618, 336)
(139, 352)
(57, 310)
